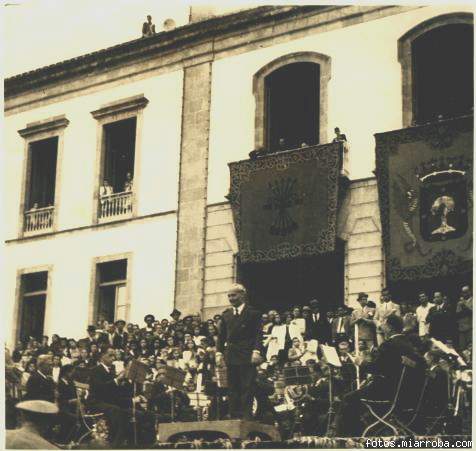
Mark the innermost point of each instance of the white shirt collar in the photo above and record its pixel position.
(240, 308)
(42, 374)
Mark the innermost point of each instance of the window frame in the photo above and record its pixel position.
(259, 92)
(131, 107)
(19, 294)
(405, 57)
(95, 285)
(33, 132)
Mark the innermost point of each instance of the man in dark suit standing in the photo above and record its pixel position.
(40, 384)
(317, 325)
(120, 336)
(441, 319)
(340, 326)
(239, 341)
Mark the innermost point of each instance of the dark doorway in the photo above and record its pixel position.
(43, 156)
(33, 305)
(281, 285)
(443, 72)
(292, 106)
(119, 152)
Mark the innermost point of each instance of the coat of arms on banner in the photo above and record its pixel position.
(439, 201)
(426, 200)
(443, 206)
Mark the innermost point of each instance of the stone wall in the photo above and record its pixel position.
(359, 226)
(192, 211)
(221, 248)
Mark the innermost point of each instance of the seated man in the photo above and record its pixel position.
(40, 384)
(112, 394)
(437, 400)
(386, 368)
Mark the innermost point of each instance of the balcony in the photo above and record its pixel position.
(115, 206)
(39, 220)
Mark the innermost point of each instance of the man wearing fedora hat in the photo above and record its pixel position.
(362, 318)
(175, 315)
(120, 335)
(317, 325)
(36, 417)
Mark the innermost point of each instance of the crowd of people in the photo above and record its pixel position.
(438, 332)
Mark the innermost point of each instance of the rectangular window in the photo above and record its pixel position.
(116, 191)
(111, 303)
(41, 190)
(41, 184)
(119, 153)
(33, 304)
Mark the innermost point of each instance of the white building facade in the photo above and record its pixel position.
(172, 111)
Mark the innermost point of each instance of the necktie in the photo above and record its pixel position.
(287, 336)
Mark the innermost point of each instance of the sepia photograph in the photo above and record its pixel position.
(233, 225)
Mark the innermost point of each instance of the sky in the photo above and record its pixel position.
(37, 33)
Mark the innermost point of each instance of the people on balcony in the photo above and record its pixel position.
(340, 137)
(121, 202)
(106, 189)
(39, 218)
(129, 183)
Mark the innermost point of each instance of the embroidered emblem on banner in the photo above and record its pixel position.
(283, 195)
(443, 211)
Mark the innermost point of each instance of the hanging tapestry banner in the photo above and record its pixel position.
(285, 204)
(425, 182)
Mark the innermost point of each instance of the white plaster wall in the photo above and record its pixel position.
(364, 90)
(156, 184)
(152, 244)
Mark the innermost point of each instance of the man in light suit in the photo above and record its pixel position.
(384, 310)
(238, 345)
(363, 318)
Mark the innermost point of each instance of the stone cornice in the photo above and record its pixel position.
(127, 52)
(121, 106)
(46, 125)
(186, 46)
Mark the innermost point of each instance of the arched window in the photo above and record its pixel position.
(292, 105)
(437, 69)
(291, 101)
